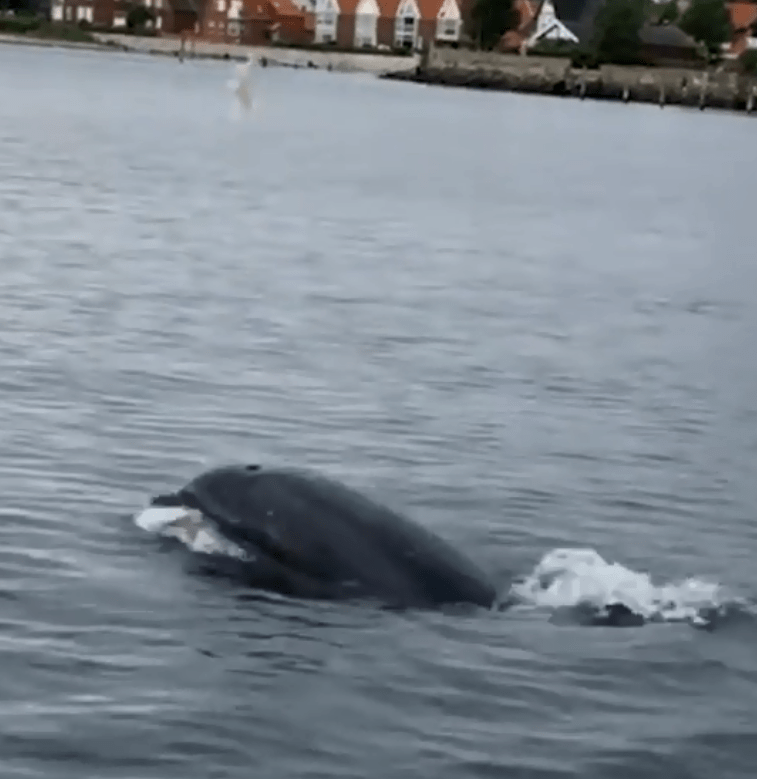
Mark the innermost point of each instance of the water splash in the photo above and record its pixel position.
(190, 528)
(241, 86)
(582, 578)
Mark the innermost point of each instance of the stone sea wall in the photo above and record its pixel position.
(555, 76)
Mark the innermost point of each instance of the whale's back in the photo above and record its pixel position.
(322, 530)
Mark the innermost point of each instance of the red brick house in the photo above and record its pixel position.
(440, 21)
(346, 23)
(256, 22)
(290, 23)
(183, 16)
(386, 23)
(744, 25)
(413, 23)
(527, 12)
(110, 14)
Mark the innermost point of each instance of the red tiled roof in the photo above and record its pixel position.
(528, 11)
(388, 8)
(743, 15)
(429, 9)
(255, 9)
(285, 8)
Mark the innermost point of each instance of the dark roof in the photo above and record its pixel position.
(578, 16)
(666, 35)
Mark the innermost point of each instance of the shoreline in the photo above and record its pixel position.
(547, 76)
(266, 56)
(555, 76)
(30, 40)
(597, 89)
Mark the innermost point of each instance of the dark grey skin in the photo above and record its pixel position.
(313, 537)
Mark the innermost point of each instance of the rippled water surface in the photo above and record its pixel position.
(529, 323)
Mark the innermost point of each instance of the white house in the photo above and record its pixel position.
(367, 13)
(62, 11)
(406, 24)
(326, 16)
(549, 27)
(448, 21)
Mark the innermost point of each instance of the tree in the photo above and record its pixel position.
(708, 22)
(616, 31)
(138, 17)
(492, 19)
(668, 13)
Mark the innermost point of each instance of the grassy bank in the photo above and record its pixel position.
(33, 27)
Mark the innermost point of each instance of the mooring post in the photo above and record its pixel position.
(626, 94)
(582, 84)
(750, 100)
(703, 92)
(662, 94)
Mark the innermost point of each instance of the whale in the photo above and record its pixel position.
(300, 533)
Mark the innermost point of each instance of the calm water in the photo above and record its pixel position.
(529, 323)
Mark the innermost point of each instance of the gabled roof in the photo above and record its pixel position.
(429, 9)
(743, 15)
(347, 7)
(255, 9)
(578, 16)
(285, 8)
(528, 12)
(389, 8)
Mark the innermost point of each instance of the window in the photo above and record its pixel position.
(234, 28)
(365, 30)
(221, 6)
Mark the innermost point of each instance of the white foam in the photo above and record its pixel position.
(574, 577)
(155, 518)
(189, 527)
